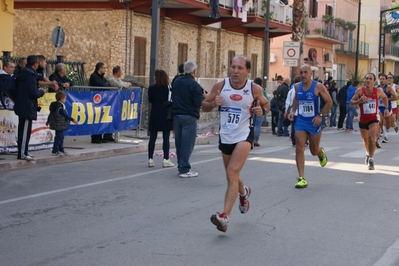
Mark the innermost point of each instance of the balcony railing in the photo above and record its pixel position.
(279, 12)
(392, 50)
(350, 47)
(331, 30)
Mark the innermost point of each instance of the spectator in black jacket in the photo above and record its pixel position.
(187, 97)
(274, 108)
(21, 64)
(342, 104)
(282, 92)
(26, 105)
(59, 76)
(97, 80)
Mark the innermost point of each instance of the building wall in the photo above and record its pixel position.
(107, 35)
(6, 25)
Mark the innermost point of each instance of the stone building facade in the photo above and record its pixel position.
(108, 35)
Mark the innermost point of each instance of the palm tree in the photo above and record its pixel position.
(298, 19)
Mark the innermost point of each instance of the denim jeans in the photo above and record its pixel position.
(333, 116)
(350, 110)
(58, 145)
(281, 129)
(185, 127)
(258, 120)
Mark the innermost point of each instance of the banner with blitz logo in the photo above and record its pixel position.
(99, 112)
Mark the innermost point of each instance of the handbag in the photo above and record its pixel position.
(168, 105)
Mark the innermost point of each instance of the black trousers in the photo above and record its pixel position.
(342, 115)
(24, 131)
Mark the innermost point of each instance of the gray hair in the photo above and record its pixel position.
(59, 67)
(190, 67)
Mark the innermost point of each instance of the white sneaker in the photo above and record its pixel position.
(150, 163)
(221, 221)
(64, 153)
(167, 163)
(189, 174)
(30, 155)
(27, 157)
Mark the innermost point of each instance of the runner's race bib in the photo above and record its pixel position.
(369, 107)
(230, 117)
(306, 108)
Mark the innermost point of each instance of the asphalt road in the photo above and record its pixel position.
(117, 211)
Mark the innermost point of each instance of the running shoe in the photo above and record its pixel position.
(366, 160)
(64, 153)
(167, 163)
(220, 220)
(385, 140)
(396, 129)
(56, 153)
(150, 163)
(323, 159)
(371, 164)
(243, 204)
(377, 144)
(301, 183)
(189, 174)
(27, 158)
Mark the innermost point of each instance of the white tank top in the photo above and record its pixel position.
(393, 103)
(235, 112)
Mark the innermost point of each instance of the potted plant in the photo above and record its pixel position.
(351, 26)
(328, 18)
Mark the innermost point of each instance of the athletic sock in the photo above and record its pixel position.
(384, 131)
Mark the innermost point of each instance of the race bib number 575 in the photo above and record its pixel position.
(230, 117)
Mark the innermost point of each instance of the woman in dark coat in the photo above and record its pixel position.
(157, 95)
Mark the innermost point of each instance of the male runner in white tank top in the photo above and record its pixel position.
(235, 96)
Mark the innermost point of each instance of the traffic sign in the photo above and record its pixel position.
(291, 50)
(290, 62)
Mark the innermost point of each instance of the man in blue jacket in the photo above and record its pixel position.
(187, 97)
(26, 105)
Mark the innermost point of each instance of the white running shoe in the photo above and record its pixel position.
(189, 174)
(27, 158)
(167, 163)
(220, 220)
(150, 163)
(243, 203)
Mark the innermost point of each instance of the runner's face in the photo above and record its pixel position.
(305, 74)
(238, 71)
(369, 81)
(383, 80)
(390, 80)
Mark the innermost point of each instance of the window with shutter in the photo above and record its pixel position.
(182, 53)
(140, 45)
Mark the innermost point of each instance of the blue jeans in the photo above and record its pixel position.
(281, 129)
(258, 120)
(58, 145)
(350, 110)
(333, 116)
(185, 127)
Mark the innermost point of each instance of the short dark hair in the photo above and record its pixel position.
(60, 95)
(258, 81)
(330, 78)
(356, 82)
(116, 69)
(32, 59)
(348, 83)
(383, 75)
(279, 77)
(6, 63)
(275, 92)
(99, 65)
(41, 57)
(21, 59)
(181, 68)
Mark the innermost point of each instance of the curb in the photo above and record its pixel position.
(87, 155)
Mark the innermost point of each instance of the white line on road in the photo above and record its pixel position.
(94, 183)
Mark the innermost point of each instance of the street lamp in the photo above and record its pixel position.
(357, 41)
(266, 44)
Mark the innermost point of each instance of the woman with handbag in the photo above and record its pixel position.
(158, 94)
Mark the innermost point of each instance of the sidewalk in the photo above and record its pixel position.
(81, 149)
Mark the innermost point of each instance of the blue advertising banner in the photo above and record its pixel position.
(106, 111)
(130, 101)
(97, 112)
